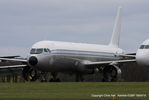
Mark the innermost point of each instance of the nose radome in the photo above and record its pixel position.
(33, 60)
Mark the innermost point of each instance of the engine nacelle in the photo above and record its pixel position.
(118, 70)
(111, 73)
(83, 69)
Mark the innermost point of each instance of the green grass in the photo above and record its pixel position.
(72, 90)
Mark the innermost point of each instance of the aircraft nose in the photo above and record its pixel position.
(33, 60)
(142, 57)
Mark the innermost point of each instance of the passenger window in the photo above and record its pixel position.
(142, 46)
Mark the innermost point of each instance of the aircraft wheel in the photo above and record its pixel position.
(52, 80)
(79, 78)
(55, 80)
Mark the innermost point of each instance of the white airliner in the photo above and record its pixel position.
(79, 58)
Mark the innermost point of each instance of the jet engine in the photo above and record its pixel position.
(80, 67)
(111, 73)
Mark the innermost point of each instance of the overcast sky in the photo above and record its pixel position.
(24, 22)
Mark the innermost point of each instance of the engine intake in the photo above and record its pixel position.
(111, 73)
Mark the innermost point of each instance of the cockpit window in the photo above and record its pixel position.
(48, 50)
(36, 51)
(39, 51)
(45, 50)
(147, 47)
(33, 51)
(142, 46)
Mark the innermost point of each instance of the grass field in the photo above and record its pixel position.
(75, 91)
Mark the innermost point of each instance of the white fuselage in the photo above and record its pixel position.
(55, 45)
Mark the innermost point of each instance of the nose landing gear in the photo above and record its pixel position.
(79, 77)
(29, 74)
(32, 75)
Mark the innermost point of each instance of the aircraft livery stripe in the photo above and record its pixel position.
(83, 53)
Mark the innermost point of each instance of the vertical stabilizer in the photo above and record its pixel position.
(116, 30)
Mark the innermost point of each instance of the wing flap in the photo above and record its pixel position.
(11, 59)
(88, 63)
(126, 55)
(9, 56)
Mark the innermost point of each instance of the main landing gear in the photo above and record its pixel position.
(32, 75)
(54, 78)
(29, 74)
(79, 77)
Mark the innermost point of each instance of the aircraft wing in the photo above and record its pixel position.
(131, 54)
(9, 56)
(14, 59)
(126, 55)
(102, 63)
(12, 66)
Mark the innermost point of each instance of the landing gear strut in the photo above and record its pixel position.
(29, 74)
(54, 79)
(79, 77)
(44, 77)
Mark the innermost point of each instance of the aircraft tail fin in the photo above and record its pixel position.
(116, 30)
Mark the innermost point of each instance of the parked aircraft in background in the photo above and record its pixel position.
(78, 58)
(142, 54)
